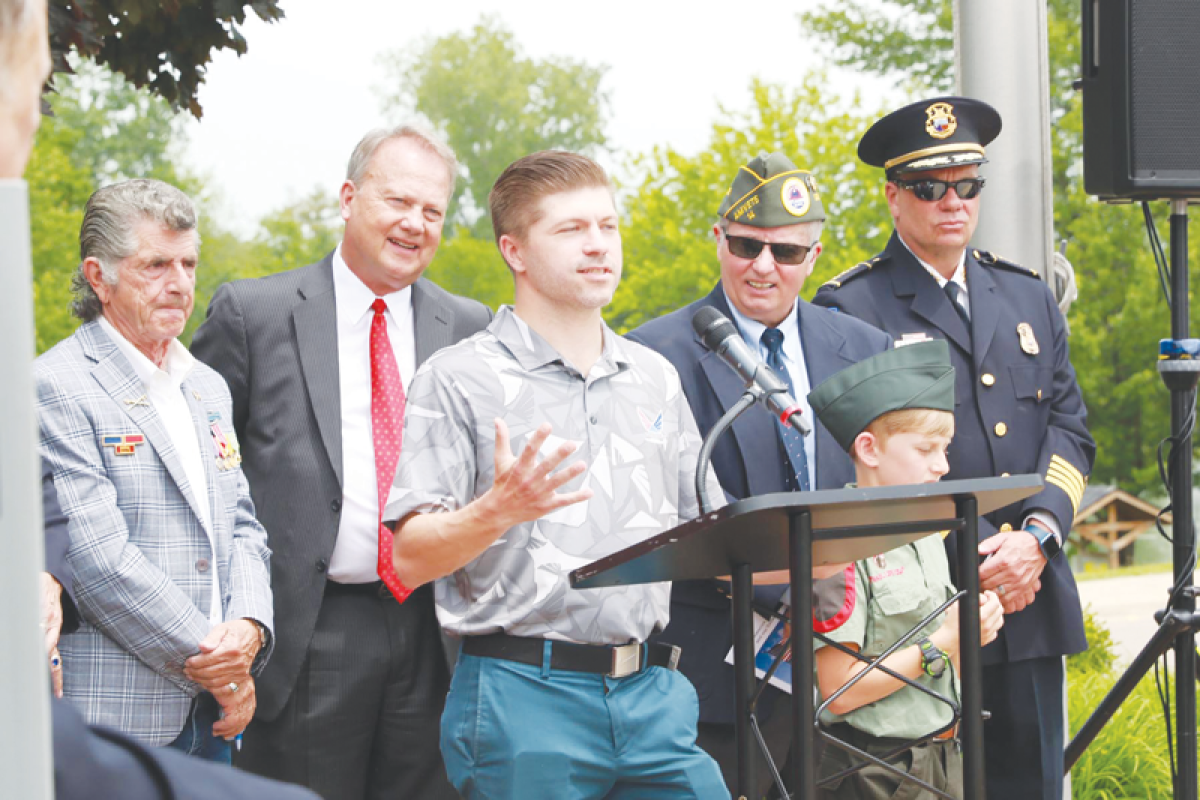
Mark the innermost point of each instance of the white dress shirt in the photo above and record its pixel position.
(164, 391)
(356, 553)
(793, 359)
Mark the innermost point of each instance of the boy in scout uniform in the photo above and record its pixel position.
(1019, 411)
(894, 414)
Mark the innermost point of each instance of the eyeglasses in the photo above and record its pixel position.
(931, 189)
(745, 247)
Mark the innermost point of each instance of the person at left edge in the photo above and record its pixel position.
(767, 233)
(351, 698)
(171, 568)
(556, 693)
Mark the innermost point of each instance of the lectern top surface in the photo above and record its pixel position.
(848, 524)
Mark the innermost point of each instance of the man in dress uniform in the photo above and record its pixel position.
(1019, 411)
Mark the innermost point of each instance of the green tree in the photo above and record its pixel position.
(164, 47)
(670, 257)
(1120, 314)
(494, 105)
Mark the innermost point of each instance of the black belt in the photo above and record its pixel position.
(615, 661)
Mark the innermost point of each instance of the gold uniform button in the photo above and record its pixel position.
(988, 379)
(1001, 429)
(1004, 474)
(1005, 528)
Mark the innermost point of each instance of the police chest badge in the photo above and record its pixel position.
(229, 455)
(1029, 342)
(940, 121)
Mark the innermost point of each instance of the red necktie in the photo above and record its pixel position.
(387, 424)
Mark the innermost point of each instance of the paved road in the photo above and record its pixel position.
(1127, 605)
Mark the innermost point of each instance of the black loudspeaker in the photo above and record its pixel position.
(1141, 98)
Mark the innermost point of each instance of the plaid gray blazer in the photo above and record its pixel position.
(139, 553)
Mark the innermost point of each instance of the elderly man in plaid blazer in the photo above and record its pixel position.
(171, 568)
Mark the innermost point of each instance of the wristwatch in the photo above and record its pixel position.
(933, 658)
(1047, 541)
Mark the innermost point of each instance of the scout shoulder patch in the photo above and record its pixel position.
(993, 260)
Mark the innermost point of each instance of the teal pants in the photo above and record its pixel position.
(512, 730)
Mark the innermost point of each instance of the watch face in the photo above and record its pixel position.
(937, 666)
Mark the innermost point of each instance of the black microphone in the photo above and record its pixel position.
(720, 336)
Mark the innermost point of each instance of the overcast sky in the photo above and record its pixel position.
(283, 119)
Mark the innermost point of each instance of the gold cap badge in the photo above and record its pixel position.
(940, 121)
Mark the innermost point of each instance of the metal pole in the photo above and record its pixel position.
(970, 657)
(804, 772)
(743, 672)
(1181, 512)
(25, 760)
(1017, 218)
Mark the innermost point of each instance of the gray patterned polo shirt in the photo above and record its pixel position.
(634, 429)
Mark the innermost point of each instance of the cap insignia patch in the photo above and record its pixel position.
(794, 196)
(940, 121)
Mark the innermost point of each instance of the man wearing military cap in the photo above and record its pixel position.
(1019, 411)
(767, 234)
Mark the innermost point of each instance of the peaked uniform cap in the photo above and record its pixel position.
(771, 192)
(931, 134)
(913, 376)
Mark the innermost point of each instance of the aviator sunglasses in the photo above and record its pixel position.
(931, 189)
(745, 247)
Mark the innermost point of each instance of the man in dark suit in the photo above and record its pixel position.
(1019, 411)
(317, 359)
(767, 235)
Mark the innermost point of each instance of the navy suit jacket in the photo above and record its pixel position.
(748, 462)
(1018, 408)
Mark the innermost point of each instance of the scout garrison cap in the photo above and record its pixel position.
(770, 192)
(913, 376)
(930, 134)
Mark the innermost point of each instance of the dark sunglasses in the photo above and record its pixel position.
(931, 189)
(744, 247)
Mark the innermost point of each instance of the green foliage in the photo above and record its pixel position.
(164, 47)
(494, 105)
(670, 257)
(1099, 656)
(473, 268)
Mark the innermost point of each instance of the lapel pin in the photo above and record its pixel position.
(141, 401)
(125, 444)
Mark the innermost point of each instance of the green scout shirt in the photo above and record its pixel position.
(892, 593)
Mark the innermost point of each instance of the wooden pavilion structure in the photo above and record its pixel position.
(1113, 519)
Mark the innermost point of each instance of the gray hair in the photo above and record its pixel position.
(109, 231)
(814, 226)
(365, 150)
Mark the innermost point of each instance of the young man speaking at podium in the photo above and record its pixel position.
(535, 447)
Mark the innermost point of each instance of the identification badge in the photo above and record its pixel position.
(1029, 343)
(912, 338)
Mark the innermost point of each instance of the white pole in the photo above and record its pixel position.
(1001, 55)
(25, 759)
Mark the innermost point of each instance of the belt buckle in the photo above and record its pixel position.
(626, 660)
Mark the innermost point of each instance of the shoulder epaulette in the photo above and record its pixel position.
(993, 260)
(838, 281)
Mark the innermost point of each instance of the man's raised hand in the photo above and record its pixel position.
(526, 489)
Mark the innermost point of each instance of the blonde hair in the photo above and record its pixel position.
(922, 421)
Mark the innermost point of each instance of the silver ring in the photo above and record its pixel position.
(1000, 590)
(233, 687)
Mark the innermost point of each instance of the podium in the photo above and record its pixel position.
(807, 529)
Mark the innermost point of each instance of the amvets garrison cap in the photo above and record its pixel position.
(770, 192)
(931, 134)
(913, 376)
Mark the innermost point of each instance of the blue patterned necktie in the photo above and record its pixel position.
(955, 292)
(789, 437)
